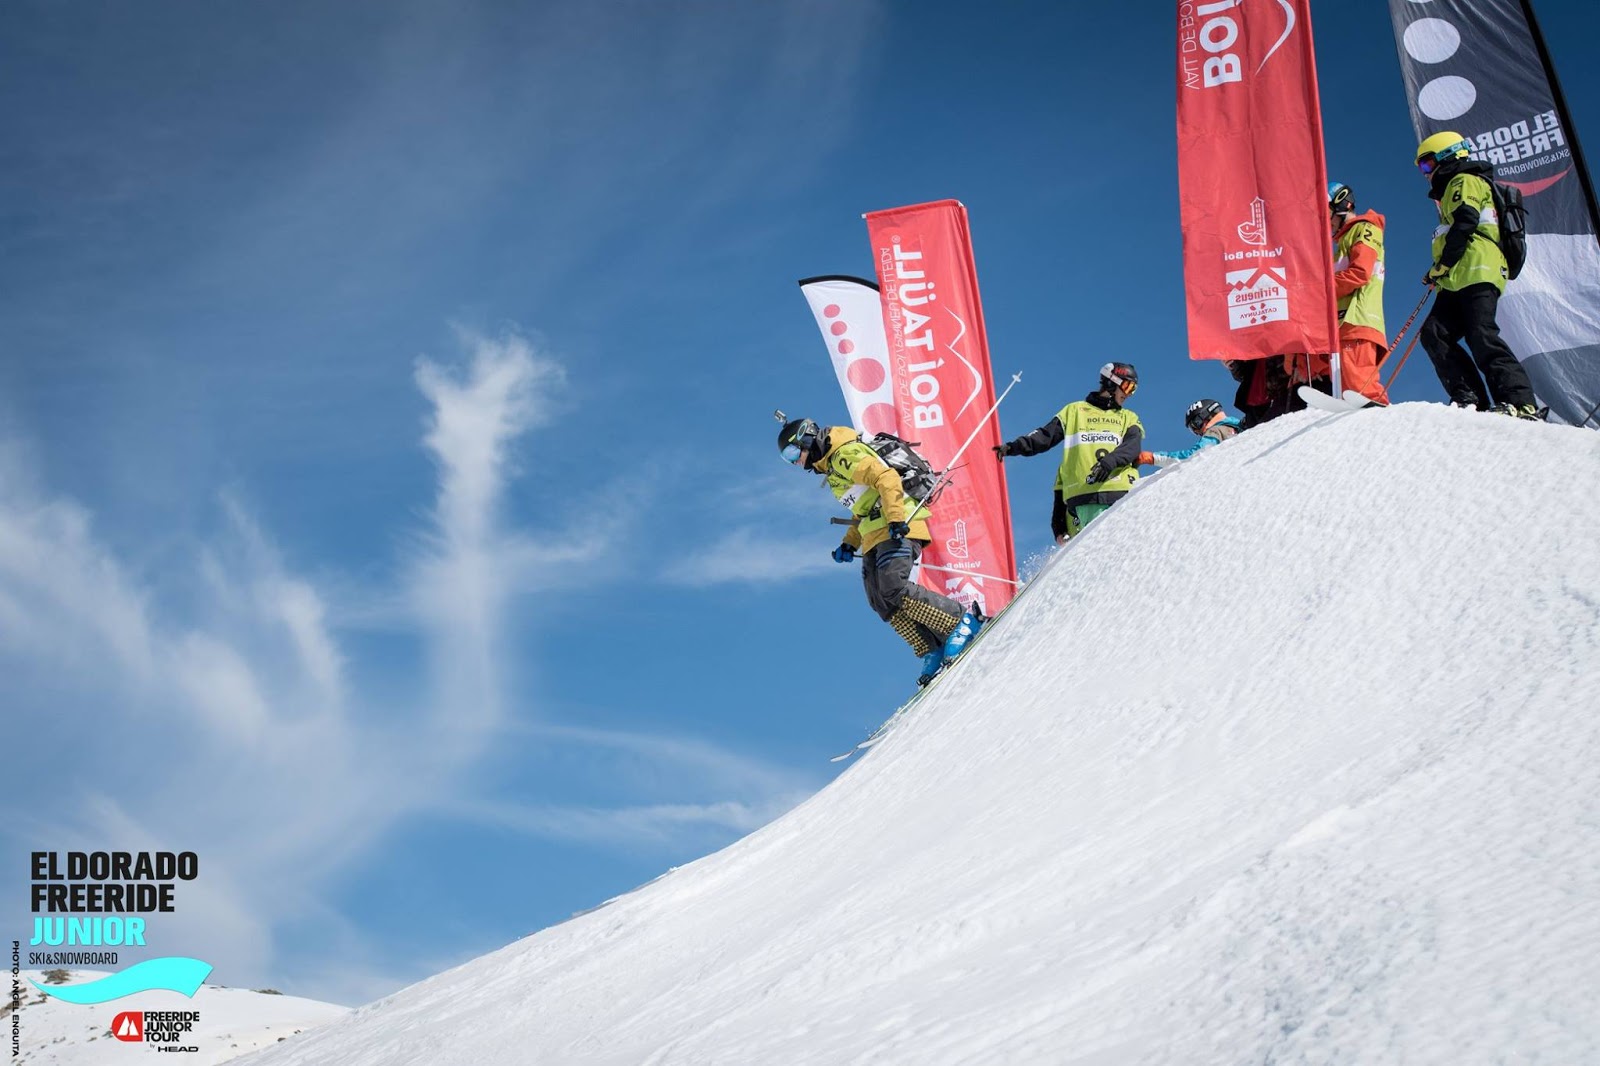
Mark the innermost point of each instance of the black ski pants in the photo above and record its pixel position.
(1469, 313)
(886, 573)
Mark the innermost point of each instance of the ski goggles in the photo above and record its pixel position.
(1429, 163)
(792, 452)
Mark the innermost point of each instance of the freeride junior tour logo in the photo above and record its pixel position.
(167, 1029)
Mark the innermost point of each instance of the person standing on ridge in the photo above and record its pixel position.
(1358, 284)
(1100, 463)
(1469, 270)
(888, 530)
(1207, 420)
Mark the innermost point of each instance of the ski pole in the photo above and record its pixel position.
(1398, 337)
(939, 482)
(1401, 365)
(971, 573)
(1592, 410)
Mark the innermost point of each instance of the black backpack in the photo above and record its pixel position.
(1513, 226)
(917, 475)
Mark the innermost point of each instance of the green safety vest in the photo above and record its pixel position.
(1092, 433)
(1364, 307)
(1483, 260)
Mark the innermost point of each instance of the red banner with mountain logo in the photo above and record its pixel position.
(1252, 185)
(943, 393)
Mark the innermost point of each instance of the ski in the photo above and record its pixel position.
(1332, 404)
(889, 722)
(916, 697)
(1358, 401)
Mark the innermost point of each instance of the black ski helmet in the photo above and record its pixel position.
(1117, 375)
(1200, 412)
(802, 433)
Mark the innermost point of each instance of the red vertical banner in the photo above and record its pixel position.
(1252, 182)
(943, 391)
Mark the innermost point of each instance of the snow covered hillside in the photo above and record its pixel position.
(1295, 757)
(232, 1021)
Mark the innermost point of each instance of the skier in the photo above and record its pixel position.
(1100, 463)
(889, 531)
(1469, 270)
(1358, 284)
(1207, 420)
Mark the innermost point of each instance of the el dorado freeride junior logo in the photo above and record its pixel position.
(99, 900)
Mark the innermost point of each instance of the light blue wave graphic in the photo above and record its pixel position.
(175, 974)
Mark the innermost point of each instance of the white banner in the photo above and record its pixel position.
(850, 315)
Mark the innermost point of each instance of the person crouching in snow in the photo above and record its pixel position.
(1100, 462)
(1207, 420)
(889, 530)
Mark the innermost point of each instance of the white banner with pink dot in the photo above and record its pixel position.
(850, 316)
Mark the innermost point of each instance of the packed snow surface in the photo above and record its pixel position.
(1292, 757)
(233, 1021)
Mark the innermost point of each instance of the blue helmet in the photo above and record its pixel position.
(1340, 199)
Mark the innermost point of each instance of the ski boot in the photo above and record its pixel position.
(1528, 411)
(963, 633)
(932, 663)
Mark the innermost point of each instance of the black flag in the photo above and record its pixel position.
(1480, 68)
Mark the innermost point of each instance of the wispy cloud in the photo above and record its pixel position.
(277, 767)
(744, 555)
(659, 824)
(461, 583)
(735, 793)
(62, 593)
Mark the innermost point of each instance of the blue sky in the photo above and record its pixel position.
(388, 505)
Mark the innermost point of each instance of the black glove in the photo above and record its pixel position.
(899, 530)
(1103, 467)
(844, 553)
(1000, 451)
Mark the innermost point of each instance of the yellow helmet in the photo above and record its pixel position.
(1442, 146)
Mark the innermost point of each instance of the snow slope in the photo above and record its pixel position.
(233, 1021)
(1293, 758)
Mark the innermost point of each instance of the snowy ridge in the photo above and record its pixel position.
(1295, 759)
(233, 1022)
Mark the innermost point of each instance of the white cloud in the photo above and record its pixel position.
(279, 770)
(745, 556)
(502, 396)
(736, 793)
(220, 684)
(658, 824)
(61, 592)
(675, 760)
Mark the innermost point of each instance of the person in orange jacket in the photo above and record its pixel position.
(1358, 285)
